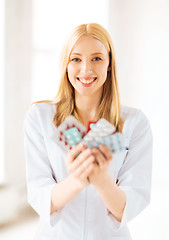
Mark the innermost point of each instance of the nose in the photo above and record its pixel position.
(86, 67)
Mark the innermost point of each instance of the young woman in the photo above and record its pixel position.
(76, 197)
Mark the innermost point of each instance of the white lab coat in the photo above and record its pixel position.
(85, 217)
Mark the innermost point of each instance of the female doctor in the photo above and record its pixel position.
(76, 196)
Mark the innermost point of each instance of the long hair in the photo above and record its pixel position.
(109, 107)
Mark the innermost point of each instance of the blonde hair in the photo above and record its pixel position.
(110, 102)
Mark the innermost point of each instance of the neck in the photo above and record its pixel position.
(87, 107)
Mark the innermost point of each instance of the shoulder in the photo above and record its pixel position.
(42, 109)
(134, 120)
(40, 112)
(132, 114)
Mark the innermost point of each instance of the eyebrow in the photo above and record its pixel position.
(76, 54)
(97, 53)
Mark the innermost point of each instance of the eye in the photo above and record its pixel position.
(96, 59)
(75, 60)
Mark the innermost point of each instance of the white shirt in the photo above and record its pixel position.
(85, 217)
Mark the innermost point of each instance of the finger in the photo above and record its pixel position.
(107, 153)
(80, 159)
(101, 160)
(72, 154)
(82, 170)
(87, 172)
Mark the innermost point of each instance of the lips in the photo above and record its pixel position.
(86, 80)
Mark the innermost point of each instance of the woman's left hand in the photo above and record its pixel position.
(103, 157)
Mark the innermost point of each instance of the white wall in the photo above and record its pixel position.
(140, 32)
(2, 59)
(15, 83)
(52, 22)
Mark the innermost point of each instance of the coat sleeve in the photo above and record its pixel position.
(40, 180)
(134, 177)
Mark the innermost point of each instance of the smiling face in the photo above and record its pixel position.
(87, 67)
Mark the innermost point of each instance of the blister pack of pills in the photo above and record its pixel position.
(71, 132)
(68, 130)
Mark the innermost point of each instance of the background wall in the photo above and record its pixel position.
(48, 41)
(15, 82)
(2, 64)
(34, 34)
(140, 32)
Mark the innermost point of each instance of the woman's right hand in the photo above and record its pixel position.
(80, 163)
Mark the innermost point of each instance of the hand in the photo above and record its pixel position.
(102, 156)
(80, 163)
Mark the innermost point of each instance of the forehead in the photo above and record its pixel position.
(89, 44)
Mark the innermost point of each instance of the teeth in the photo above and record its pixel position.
(86, 81)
